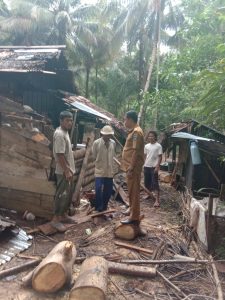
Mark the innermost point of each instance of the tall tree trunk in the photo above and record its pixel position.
(96, 85)
(152, 60)
(87, 82)
(155, 118)
(141, 64)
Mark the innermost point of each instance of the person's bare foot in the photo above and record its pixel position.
(156, 204)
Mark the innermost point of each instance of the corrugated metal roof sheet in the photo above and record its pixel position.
(89, 110)
(188, 136)
(16, 242)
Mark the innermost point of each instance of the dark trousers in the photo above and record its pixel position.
(103, 191)
(151, 179)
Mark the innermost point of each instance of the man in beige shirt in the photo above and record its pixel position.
(65, 169)
(103, 152)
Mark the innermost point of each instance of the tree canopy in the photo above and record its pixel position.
(163, 58)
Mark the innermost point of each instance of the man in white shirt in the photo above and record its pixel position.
(153, 158)
(103, 151)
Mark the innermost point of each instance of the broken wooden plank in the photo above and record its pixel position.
(25, 201)
(133, 247)
(28, 184)
(125, 269)
(121, 192)
(75, 198)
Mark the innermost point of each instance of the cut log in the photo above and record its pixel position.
(56, 269)
(92, 280)
(124, 269)
(127, 231)
(133, 247)
(165, 177)
(75, 198)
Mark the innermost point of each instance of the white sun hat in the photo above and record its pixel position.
(107, 130)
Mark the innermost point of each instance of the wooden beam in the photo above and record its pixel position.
(122, 193)
(211, 170)
(125, 269)
(209, 222)
(165, 261)
(133, 247)
(34, 47)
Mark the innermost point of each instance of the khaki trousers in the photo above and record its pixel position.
(133, 185)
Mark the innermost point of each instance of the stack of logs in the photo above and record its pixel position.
(89, 172)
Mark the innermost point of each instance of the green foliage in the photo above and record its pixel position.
(109, 45)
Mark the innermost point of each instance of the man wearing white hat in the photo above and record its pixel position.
(103, 152)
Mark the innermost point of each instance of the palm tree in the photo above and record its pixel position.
(141, 22)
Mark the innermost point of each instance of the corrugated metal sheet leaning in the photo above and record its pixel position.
(15, 242)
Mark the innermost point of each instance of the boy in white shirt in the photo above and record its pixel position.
(153, 158)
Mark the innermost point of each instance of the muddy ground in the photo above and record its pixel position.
(164, 227)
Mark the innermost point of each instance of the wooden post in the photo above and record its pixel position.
(75, 198)
(209, 222)
(222, 192)
(92, 280)
(74, 125)
(212, 171)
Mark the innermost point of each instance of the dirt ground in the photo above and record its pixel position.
(164, 233)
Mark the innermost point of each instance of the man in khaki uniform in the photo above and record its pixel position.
(132, 163)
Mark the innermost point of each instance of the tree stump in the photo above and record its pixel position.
(92, 280)
(127, 232)
(55, 270)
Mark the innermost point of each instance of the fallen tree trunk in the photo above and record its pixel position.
(125, 269)
(55, 270)
(92, 280)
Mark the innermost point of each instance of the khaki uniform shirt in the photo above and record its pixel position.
(103, 158)
(62, 145)
(134, 143)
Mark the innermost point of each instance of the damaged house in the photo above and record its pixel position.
(198, 154)
(35, 86)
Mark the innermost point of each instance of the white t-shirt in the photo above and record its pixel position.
(152, 152)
